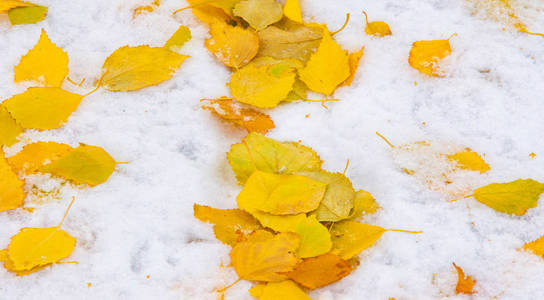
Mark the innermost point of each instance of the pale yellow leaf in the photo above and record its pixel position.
(42, 107)
(133, 68)
(45, 63)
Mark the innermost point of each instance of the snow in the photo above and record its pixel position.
(140, 221)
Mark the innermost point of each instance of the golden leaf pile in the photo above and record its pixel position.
(294, 226)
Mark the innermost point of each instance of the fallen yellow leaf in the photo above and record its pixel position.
(376, 28)
(36, 155)
(257, 152)
(469, 160)
(42, 107)
(234, 46)
(316, 272)
(327, 67)
(12, 193)
(84, 165)
(248, 118)
(285, 290)
(264, 256)
(514, 197)
(259, 13)
(280, 194)
(465, 284)
(292, 10)
(45, 63)
(425, 56)
(9, 129)
(133, 68)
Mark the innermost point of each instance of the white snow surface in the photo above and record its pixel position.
(140, 222)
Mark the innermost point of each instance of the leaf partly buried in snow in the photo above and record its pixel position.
(234, 46)
(353, 60)
(292, 10)
(36, 155)
(248, 118)
(35, 247)
(257, 152)
(281, 194)
(178, 39)
(263, 86)
(12, 193)
(327, 68)
(42, 107)
(290, 40)
(349, 238)
(376, 28)
(285, 290)
(465, 284)
(84, 165)
(469, 160)
(514, 197)
(536, 246)
(265, 255)
(316, 272)
(259, 13)
(46, 63)
(337, 203)
(425, 56)
(133, 68)
(27, 15)
(230, 225)
(9, 129)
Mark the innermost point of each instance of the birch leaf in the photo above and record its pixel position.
(465, 284)
(84, 165)
(281, 194)
(259, 13)
(353, 60)
(262, 86)
(35, 247)
(469, 160)
(292, 10)
(337, 203)
(234, 46)
(9, 129)
(6, 5)
(363, 204)
(286, 290)
(264, 256)
(376, 28)
(514, 197)
(45, 63)
(536, 246)
(34, 156)
(12, 193)
(178, 39)
(314, 238)
(294, 40)
(349, 238)
(257, 152)
(230, 225)
(425, 56)
(27, 15)
(248, 118)
(327, 67)
(133, 68)
(316, 272)
(42, 107)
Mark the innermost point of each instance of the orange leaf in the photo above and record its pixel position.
(320, 271)
(465, 284)
(229, 110)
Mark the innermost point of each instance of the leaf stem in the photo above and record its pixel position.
(387, 141)
(405, 231)
(228, 286)
(66, 212)
(343, 26)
